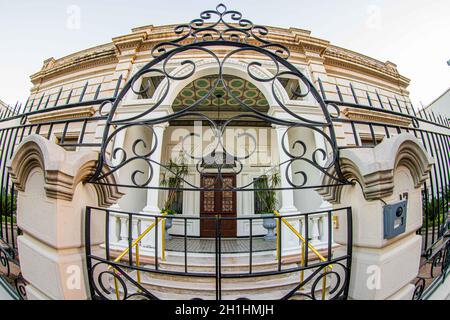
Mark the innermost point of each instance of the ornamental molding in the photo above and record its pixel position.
(63, 170)
(144, 38)
(347, 59)
(337, 52)
(397, 81)
(85, 60)
(63, 114)
(374, 116)
(374, 168)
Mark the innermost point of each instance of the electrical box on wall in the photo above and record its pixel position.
(394, 216)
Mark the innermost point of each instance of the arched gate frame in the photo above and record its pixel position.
(232, 36)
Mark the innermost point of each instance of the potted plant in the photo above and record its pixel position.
(268, 202)
(172, 179)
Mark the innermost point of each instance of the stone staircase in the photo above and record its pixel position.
(173, 286)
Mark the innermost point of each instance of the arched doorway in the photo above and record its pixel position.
(218, 168)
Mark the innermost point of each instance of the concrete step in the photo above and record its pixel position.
(175, 287)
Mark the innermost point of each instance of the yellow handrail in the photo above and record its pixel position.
(135, 244)
(139, 239)
(303, 257)
(317, 253)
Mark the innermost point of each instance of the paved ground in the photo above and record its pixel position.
(196, 245)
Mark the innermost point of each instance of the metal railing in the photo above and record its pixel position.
(126, 278)
(304, 246)
(14, 128)
(431, 130)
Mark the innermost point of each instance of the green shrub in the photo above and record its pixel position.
(436, 209)
(5, 202)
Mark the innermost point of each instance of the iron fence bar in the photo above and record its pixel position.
(427, 214)
(156, 243)
(60, 107)
(49, 133)
(220, 259)
(372, 134)
(11, 216)
(349, 248)
(444, 142)
(3, 154)
(432, 196)
(97, 92)
(306, 240)
(47, 102)
(354, 94)
(379, 99)
(441, 187)
(83, 92)
(355, 135)
(16, 131)
(279, 242)
(434, 180)
(5, 186)
(322, 90)
(82, 132)
(392, 112)
(87, 236)
(251, 247)
(69, 96)
(58, 96)
(40, 101)
(386, 130)
(185, 247)
(217, 258)
(330, 233)
(390, 104)
(369, 99)
(107, 240)
(130, 239)
(341, 98)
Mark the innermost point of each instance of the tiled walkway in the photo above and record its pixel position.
(196, 245)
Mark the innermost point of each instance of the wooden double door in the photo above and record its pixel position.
(218, 203)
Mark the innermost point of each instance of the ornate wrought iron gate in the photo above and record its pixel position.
(198, 39)
(220, 36)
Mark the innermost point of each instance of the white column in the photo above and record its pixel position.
(315, 233)
(123, 236)
(321, 144)
(287, 196)
(152, 194)
(114, 220)
(152, 207)
(290, 244)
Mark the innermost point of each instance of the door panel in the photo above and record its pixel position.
(218, 203)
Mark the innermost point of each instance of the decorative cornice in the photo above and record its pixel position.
(91, 57)
(348, 59)
(63, 170)
(374, 116)
(130, 41)
(301, 41)
(64, 114)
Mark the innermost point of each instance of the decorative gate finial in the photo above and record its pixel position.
(222, 24)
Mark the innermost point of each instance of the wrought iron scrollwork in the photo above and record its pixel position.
(221, 24)
(236, 37)
(103, 276)
(336, 280)
(436, 265)
(10, 270)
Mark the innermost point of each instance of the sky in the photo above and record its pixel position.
(414, 34)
